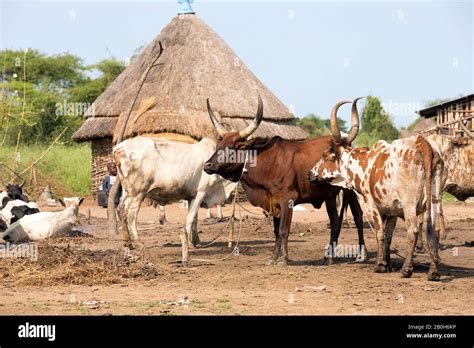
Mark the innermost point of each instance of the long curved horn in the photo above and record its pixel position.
(335, 131)
(354, 121)
(217, 126)
(252, 127)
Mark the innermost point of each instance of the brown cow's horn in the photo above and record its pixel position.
(245, 133)
(354, 121)
(24, 182)
(335, 131)
(218, 127)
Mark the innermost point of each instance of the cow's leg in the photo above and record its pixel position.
(286, 215)
(432, 232)
(433, 247)
(381, 262)
(438, 185)
(183, 235)
(419, 239)
(122, 210)
(219, 211)
(359, 221)
(208, 213)
(411, 221)
(390, 223)
(133, 209)
(192, 217)
(331, 209)
(162, 214)
(276, 248)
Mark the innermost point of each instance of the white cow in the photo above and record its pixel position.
(166, 172)
(45, 224)
(6, 213)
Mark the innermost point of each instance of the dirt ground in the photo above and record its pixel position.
(88, 273)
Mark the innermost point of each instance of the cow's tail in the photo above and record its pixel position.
(344, 205)
(431, 161)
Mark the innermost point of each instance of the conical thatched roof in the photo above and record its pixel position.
(195, 64)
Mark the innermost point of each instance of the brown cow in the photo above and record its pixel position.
(403, 179)
(273, 173)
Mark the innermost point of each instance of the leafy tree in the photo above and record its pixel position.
(376, 123)
(316, 126)
(45, 72)
(41, 95)
(90, 89)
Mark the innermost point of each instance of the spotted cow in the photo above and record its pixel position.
(402, 179)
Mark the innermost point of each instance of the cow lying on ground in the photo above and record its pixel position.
(167, 171)
(403, 179)
(21, 211)
(16, 209)
(45, 224)
(273, 173)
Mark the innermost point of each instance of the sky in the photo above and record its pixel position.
(311, 54)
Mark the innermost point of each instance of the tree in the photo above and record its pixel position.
(41, 95)
(90, 89)
(376, 124)
(316, 126)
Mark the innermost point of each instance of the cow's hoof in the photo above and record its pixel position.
(195, 241)
(162, 222)
(270, 262)
(128, 246)
(420, 249)
(406, 273)
(281, 263)
(434, 277)
(381, 269)
(184, 264)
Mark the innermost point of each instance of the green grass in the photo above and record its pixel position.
(68, 166)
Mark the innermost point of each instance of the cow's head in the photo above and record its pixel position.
(15, 191)
(230, 167)
(73, 202)
(330, 167)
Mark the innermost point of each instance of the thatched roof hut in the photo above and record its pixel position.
(195, 64)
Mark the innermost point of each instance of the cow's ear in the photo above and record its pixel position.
(80, 201)
(62, 203)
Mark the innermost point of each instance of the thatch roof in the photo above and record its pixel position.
(195, 64)
(95, 127)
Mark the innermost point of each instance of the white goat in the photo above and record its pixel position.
(45, 224)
